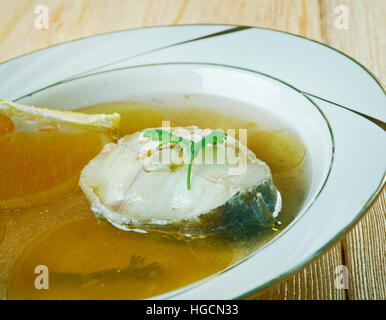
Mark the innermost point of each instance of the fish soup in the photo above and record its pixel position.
(88, 258)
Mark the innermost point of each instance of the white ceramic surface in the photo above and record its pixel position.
(289, 76)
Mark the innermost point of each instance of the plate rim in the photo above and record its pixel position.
(364, 208)
(252, 72)
(309, 259)
(375, 78)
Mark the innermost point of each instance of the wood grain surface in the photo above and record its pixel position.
(363, 250)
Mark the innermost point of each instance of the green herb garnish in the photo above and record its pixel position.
(188, 146)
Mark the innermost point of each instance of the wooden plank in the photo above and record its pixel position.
(363, 250)
(365, 40)
(315, 281)
(365, 254)
(75, 19)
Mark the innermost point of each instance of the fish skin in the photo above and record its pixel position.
(246, 214)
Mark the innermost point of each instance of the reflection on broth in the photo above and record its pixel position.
(48, 168)
(88, 259)
(98, 261)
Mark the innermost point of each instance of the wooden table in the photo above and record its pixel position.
(363, 250)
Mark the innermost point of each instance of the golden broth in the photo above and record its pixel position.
(97, 261)
(38, 175)
(88, 259)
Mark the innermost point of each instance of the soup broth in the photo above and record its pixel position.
(89, 259)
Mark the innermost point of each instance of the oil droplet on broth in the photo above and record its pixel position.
(98, 261)
(282, 150)
(6, 124)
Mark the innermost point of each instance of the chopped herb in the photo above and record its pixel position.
(189, 147)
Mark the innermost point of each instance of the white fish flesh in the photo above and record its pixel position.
(139, 184)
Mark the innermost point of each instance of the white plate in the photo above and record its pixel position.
(313, 86)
